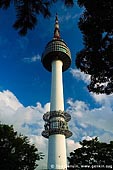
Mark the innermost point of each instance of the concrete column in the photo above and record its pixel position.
(57, 159)
(57, 99)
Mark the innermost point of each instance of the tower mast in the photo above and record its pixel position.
(56, 59)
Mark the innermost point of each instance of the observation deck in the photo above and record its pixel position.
(56, 50)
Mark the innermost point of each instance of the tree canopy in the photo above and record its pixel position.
(28, 10)
(96, 58)
(92, 155)
(16, 152)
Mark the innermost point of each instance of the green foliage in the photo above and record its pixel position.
(96, 25)
(92, 154)
(27, 11)
(16, 153)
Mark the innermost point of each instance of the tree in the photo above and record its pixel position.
(27, 11)
(96, 58)
(92, 155)
(16, 152)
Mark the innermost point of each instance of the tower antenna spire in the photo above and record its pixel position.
(56, 30)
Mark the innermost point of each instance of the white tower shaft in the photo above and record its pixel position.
(57, 152)
(57, 99)
(57, 144)
(56, 58)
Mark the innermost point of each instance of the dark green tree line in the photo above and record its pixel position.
(96, 58)
(93, 154)
(27, 12)
(16, 152)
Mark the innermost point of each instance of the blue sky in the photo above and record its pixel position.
(25, 84)
(27, 76)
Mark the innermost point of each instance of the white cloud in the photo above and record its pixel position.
(106, 136)
(104, 99)
(42, 143)
(77, 108)
(88, 138)
(80, 75)
(8, 99)
(72, 145)
(32, 59)
(98, 119)
(26, 120)
(85, 122)
(35, 58)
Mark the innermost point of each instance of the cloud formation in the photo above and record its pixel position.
(26, 120)
(93, 122)
(80, 75)
(86, 122)
(32, 59)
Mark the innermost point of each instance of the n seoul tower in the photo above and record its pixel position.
(56, 58)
